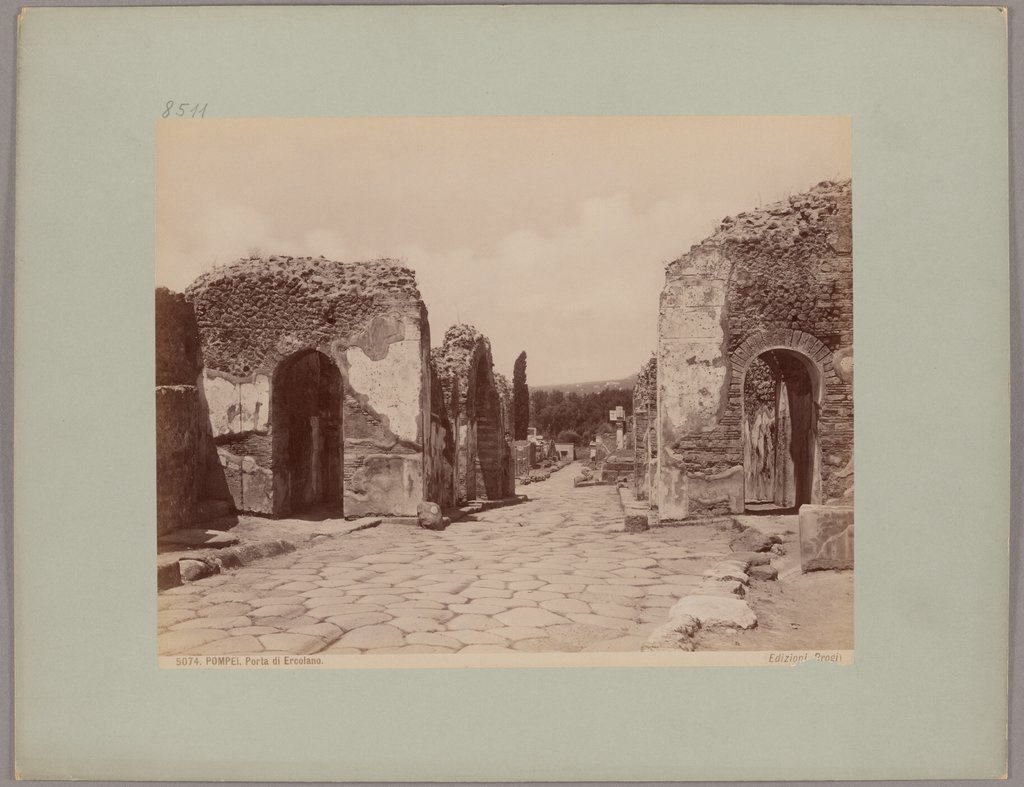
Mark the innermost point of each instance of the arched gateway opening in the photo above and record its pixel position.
(306, 420)
(780, 432)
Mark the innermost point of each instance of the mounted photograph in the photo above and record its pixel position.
(504, 391)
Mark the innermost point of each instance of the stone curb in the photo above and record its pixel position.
(479, 506)
(717, 603)
(576, 484)
(696, 520)
(204, 563)
(457, 514)
(207, 562)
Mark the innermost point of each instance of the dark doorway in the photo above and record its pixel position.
(305, 413)
(779, 432)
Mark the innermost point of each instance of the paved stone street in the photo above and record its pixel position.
(555, 573)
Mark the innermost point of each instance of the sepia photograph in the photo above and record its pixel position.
(504, 391)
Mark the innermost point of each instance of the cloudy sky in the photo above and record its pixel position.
(549, 234)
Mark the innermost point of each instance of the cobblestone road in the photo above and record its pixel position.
(555, 573)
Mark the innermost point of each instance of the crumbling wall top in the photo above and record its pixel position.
(819, 217)
(504, 388)
(315, 276)
(179, 358)
(245, 308)
(463, 346)
(645, 392)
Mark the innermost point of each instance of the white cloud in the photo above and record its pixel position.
(582, 300)
(549, 234)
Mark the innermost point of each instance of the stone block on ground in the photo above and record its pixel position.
(168, 575)
(244, 554)
(716, 611)
(826, 537)
(430, 517)
(751, 540)
(763, 572)
(191, 570)
(636, 519)
(677, 634)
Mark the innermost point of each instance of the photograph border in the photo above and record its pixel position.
(968, 689)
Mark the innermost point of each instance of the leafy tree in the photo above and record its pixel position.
(555, 411)
(568, 436)
(520, 398)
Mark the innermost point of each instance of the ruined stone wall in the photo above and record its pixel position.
(178, 364)
(645, 405)
(779, 278)
(484, 463)
(440, 478)
(367, 320)
(504, 388)
(508, 429)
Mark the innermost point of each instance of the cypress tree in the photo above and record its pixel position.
(520, 399)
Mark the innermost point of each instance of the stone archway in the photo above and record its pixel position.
(781, 382)
(306, 428)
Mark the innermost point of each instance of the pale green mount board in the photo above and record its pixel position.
(926, 89)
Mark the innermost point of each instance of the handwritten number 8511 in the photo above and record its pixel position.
(184, 108)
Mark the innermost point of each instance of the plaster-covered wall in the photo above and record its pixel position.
(367, 320)
(236, 404)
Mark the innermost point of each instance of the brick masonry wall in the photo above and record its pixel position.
(781, 276)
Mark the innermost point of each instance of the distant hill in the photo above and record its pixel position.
(595, 386)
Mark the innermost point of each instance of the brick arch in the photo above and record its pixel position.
(815, 357)
(289, 347)
(800, 342)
